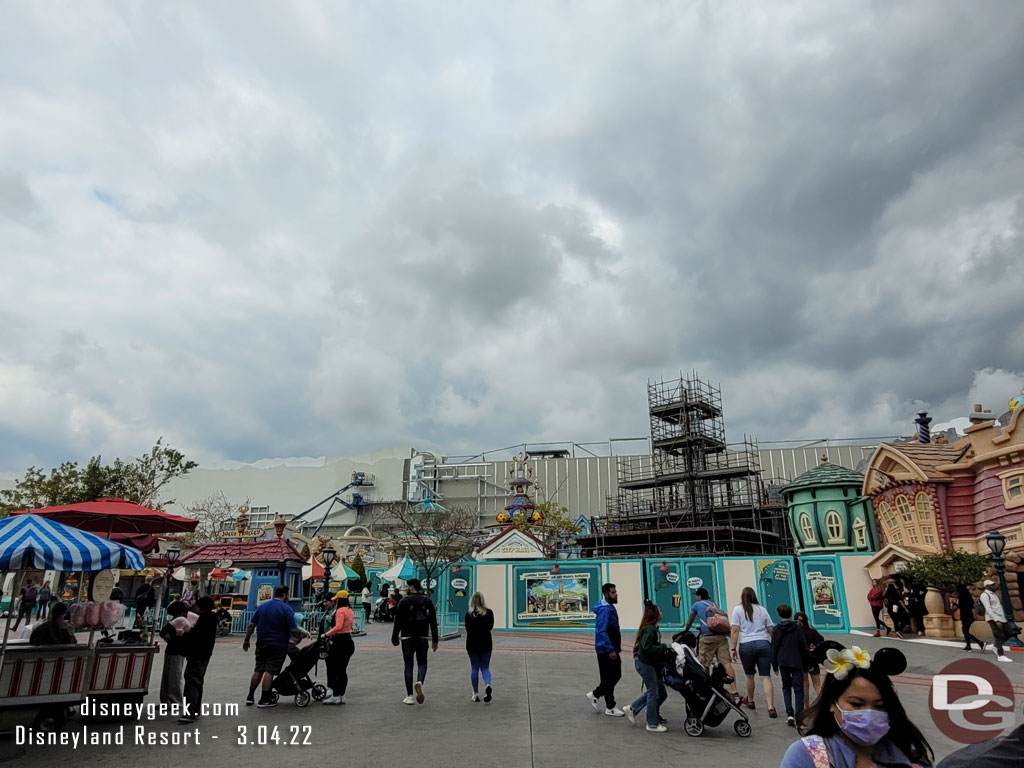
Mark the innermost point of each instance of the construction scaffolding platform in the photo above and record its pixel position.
(695, 492)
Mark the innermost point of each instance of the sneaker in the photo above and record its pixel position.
(772, 713)
(614, 712)
(1006, 659)
(418, 687)
(474, 697)
(332, 700)
(250, 700)
(593, 701)
(409, 700)
(662, 720)
(791, 721)
(900, 635)
(629, 715)
(968, 649)
(487, 694)
(263, 703)
(982, 646)
(877, 633)
(657, 728)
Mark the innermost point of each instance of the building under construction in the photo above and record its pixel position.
(695, 494)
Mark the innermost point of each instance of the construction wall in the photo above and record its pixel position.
(738, 573)
(856, 584)
(491, 581)
(627, 576)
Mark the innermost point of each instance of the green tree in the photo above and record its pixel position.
(556, 525)
(139, 480)
(359, 567)
(948, 569)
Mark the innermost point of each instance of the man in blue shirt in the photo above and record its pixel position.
(274, 624)
(608, 644)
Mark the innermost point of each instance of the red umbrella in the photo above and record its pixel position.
(111, 516)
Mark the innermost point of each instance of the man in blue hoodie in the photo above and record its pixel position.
(608, 644)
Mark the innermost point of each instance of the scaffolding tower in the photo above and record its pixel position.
(696, 493)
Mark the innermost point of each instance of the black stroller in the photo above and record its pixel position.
(707, 701)
(384, 611)
(294, 679)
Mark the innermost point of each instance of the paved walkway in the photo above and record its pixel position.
(539, 716)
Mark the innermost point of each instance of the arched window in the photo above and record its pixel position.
(807, 529)
(924, 507)
(928, 534)
(834, 526)
(860, 533)
(887, 515)
(903, 507)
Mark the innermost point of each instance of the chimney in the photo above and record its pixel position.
(977, 416)
(924, 435)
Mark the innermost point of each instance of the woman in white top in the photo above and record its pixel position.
(752, 645)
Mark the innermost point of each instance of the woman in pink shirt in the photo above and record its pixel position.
(341, 649)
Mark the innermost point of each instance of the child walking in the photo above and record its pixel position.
(479, 623)
(790, 657)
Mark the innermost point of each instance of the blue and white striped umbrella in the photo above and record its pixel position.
(29, 541)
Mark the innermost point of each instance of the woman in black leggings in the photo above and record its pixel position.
(965, 602)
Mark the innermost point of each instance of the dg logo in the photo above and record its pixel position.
(972, 700)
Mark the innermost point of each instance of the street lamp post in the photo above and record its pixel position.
(172, 554)
(996, 544)
(329, 556)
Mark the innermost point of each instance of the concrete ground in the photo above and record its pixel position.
(539, 716)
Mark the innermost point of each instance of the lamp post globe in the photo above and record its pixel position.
(329, 557)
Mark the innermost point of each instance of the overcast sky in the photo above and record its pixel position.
(262, 229)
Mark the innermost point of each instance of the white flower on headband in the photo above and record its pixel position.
(841, 663)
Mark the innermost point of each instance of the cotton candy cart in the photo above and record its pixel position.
(40, 685)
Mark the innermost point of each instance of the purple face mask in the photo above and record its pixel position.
(864, 726)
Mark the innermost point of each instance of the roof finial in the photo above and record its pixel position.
(824, 458)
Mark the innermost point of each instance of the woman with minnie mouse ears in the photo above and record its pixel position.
(858, 720)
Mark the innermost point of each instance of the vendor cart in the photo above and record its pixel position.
(40, 685)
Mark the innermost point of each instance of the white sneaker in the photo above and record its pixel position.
(333, 700)
(657, 728)
(1006, 659)
(475, 697)
(593, 701)
(614, 712)
(629, 715)
(409, 700)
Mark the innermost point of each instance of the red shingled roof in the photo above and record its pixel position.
(268, 551)
(928, 456)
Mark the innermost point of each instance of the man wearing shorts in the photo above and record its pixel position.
(274, 624)
(711, 645)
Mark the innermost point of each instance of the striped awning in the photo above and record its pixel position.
(28, 541)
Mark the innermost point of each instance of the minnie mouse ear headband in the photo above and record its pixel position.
(840, 661)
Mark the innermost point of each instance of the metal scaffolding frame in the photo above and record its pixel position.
(695, 493)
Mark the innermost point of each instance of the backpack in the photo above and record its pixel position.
(979, 607)
(718, 621)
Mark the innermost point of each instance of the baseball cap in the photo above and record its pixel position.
(989, 583)
(340, 594)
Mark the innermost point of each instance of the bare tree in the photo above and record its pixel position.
(432, 536)
(214, 514)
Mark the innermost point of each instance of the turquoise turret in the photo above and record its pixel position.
(826, 512)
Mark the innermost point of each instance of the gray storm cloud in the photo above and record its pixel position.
(323, 230)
